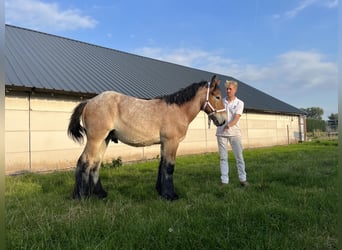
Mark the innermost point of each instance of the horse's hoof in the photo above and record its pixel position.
(175, 197)
(170, 197)
(103, 194)
(75, 195)
(78, 196)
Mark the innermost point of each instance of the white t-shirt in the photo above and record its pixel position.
(234, 107)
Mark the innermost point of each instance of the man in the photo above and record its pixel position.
(231, 132)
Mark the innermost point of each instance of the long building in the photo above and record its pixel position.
(47, 75)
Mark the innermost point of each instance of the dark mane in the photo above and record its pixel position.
(183, 95)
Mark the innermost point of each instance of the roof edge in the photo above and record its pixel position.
(52, 92)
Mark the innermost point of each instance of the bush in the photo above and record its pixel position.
(114, 164)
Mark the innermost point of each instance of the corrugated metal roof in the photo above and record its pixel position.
(48, 62)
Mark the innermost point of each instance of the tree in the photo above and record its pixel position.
(313, 113)
(333, 117)
(333, 121)
(313, 125)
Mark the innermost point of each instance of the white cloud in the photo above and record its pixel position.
(303, 69)
(36, 14)
(187, 57)
(331, 3)
(300, 7)
(304, 4)
(301, 78)
(300, 69)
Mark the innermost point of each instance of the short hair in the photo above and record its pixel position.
(230, 82)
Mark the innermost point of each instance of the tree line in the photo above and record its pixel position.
(314, 121)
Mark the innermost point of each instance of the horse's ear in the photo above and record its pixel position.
(213, 79)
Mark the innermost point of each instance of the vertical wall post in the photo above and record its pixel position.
(205, 132)
(29, 128)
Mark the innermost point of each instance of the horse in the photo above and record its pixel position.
(164, 120)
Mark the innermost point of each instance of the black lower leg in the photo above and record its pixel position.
(158, 184)
(97, 189)
(165, 186)
(81, 188)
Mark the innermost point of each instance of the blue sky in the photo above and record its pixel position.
(287, 49)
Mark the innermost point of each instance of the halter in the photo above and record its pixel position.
(213, 110)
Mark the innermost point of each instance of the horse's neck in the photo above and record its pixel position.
(193, 107)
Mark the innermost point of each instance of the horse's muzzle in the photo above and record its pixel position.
(216, 121)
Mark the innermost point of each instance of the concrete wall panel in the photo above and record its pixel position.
(36, 137)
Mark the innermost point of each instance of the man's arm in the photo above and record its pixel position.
(233, 122)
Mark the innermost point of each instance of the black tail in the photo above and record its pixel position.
(75, 130)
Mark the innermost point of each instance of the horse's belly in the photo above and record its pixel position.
(138, 139)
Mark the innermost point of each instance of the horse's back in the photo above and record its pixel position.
(133, 121)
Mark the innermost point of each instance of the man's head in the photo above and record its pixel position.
(231, 88)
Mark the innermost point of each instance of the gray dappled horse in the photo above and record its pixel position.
(138, 122)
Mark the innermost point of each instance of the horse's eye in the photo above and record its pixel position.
(218, 97)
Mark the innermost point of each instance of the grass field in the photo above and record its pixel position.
(291, 203)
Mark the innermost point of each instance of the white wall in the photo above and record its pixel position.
(36, 137)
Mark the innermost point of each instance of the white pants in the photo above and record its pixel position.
(235, 142)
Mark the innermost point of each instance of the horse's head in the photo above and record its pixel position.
(213, 105)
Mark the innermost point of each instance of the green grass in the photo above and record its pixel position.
(291, 203)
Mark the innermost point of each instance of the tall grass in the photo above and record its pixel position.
(291, 203)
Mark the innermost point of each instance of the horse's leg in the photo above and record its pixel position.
(81, 188)
(158, 183)
(164, 185)
(95, 184)
(88, 161)
(95, 181)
